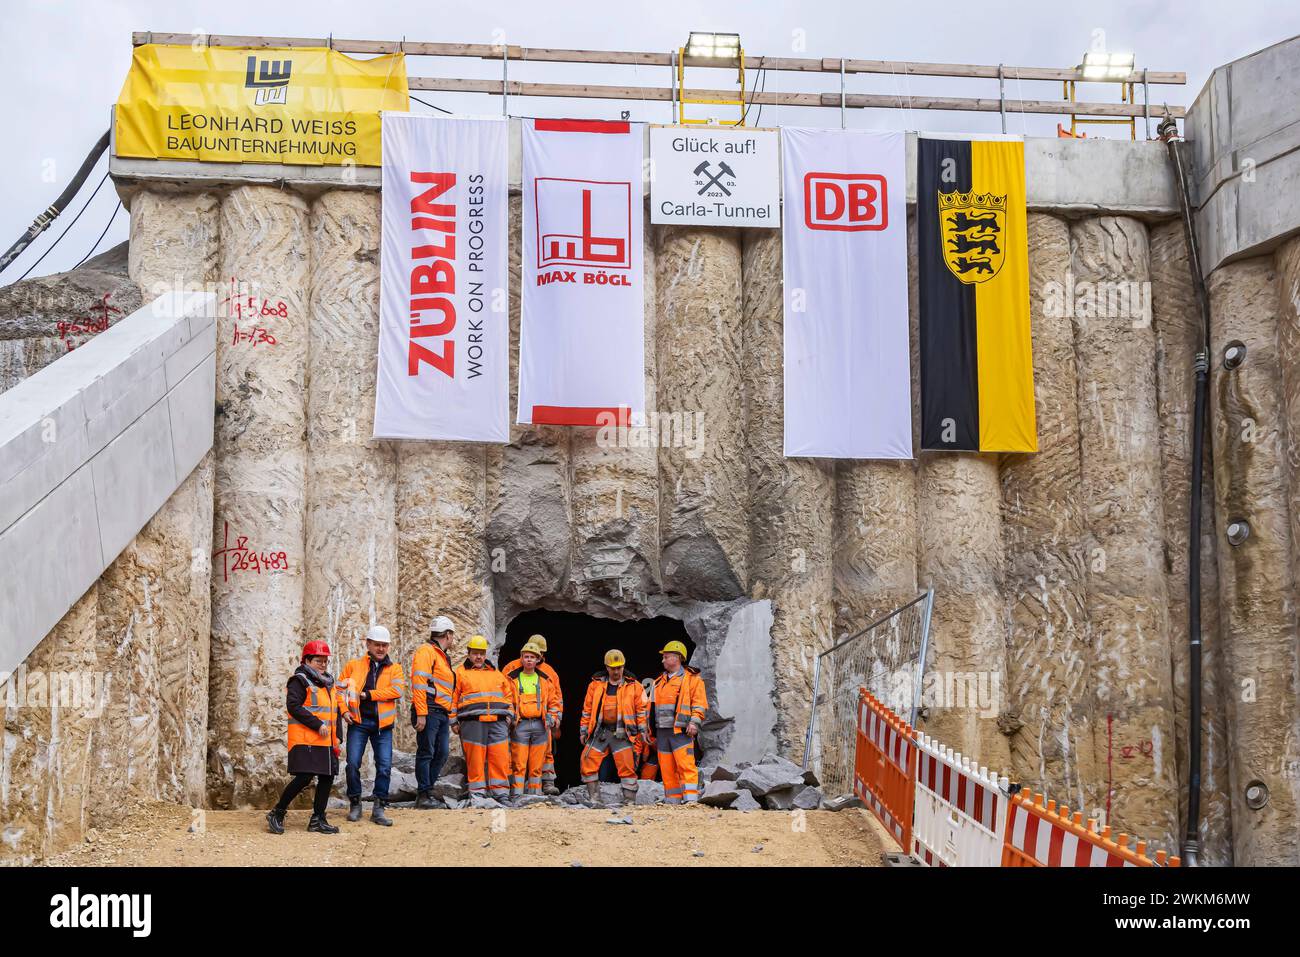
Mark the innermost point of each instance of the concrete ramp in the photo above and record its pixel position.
(90, 448)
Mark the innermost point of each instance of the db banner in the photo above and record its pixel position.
(444, 328)
(581, 349)
(848, 392)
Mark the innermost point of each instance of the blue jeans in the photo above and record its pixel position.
(432, 745)
(382, 742)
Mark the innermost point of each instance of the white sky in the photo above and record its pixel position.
(65, 62)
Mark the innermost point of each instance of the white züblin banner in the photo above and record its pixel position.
(444, 324)
(581, 349)
(848, 390)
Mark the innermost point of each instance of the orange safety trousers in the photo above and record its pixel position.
(527, 753)
(601, 743)
(487, 757)
(677, 765)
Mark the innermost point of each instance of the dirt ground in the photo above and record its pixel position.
(695, 836)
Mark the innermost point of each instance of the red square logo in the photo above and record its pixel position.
(848, 202)
(583, 223)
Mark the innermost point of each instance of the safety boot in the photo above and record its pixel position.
(354, 810)
(550, 789)
(319, 825)
(593, 792)
(629, 795)
(378, 816)
(275, 821)
(424, 801)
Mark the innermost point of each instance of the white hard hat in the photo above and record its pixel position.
(379, 633)
(442, 623)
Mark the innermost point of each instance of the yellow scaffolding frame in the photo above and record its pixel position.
(683, 99)
(1128, 94)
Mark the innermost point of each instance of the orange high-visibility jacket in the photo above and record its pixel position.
(542, 704)
(389, 686)
(324, 703)
(633, 709)
(547, 670)
(482, 694)
(431, 671)
(679, 700)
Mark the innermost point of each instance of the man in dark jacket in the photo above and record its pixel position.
(315, 725)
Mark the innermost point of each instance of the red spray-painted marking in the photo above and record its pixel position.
(1110, 748)
(241, 558)
(252, 307)
(92, 324)
(253, 337)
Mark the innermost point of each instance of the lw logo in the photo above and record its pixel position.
(270, 79)
(971, 226)
(583, 223)
(848, 202)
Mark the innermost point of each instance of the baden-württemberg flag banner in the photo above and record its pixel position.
(305, 105)
(977, 372)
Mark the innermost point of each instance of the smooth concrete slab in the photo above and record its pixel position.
(90, 448)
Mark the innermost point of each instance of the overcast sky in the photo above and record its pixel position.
(65, 62)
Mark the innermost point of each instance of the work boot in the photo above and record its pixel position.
(515, 795)
(275, 821)
(354, 810)
(593, 792)
(629, 795)
(319, 825)
(378, 816)
(424, 801)
(550, 789)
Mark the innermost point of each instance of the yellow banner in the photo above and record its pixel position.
(306, 105)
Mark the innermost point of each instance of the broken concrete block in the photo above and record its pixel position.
(746, 802)
(649, 792)
(810, 778)
(479, 802)
(782, 799)
(720, 793)
(809, 799)
(723, 773)
(450, 786)
(780, 764)
(841, 802)
(762, 779)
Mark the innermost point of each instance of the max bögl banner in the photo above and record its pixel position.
(444, 326)
(581, 349)
(977, 367)
(305, 105)
(848, 390)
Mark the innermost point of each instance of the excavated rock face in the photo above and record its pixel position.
(1252, 483)
(1127, 591)
(1177, 323)
(1048, 657)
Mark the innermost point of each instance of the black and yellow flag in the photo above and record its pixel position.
(977, 370)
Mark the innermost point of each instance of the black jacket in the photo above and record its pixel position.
(310, 759)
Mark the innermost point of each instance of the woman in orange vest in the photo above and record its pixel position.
(613, 718)
(535, 695)
(315, 710)
(483, 712)
(374, 684)
(677, 707)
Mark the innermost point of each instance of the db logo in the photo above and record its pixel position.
(845, 201)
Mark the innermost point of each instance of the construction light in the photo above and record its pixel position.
(1107, 66)
(714, 46)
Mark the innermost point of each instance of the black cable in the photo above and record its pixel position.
(762, 78)
(51, 212)
(101, 235)
(428, 104)
(65, 229)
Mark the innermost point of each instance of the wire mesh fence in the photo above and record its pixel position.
(888, 659)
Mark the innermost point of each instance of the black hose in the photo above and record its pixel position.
(1168, 132)
(51, 212)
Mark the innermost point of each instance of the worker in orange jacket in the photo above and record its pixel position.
(614, 716)
(315, 707)
(483, 711)
(432, 681)
(373, 683)
(677, 706)
(548, 765)
(536, 695)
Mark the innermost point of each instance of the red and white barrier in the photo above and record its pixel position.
(1041, 835)
(884, 772)
(960, 812)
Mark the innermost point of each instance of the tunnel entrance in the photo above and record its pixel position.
(576, 646)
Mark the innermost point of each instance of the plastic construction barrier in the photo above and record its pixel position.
(960, 811)
(1039, 835)
(884, 772)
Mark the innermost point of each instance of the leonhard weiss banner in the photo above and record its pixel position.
(977, 367)
(848, 392)
(581, 341)
(444, 323)
(306, 105)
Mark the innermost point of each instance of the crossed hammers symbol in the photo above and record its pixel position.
(723, 170)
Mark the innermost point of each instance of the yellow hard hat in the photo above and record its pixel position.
(614, 658)
(478, 643)
(674, 646)
(531, 648)
(539, 641)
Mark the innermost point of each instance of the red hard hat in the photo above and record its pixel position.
(315, 648)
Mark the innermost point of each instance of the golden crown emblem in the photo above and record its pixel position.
(972, 200)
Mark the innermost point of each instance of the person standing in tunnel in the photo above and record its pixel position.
(536, 695)
(677, 706)
(548, 765)
(315, 709)
(432, 682)
(614, 716)
(483, 712)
